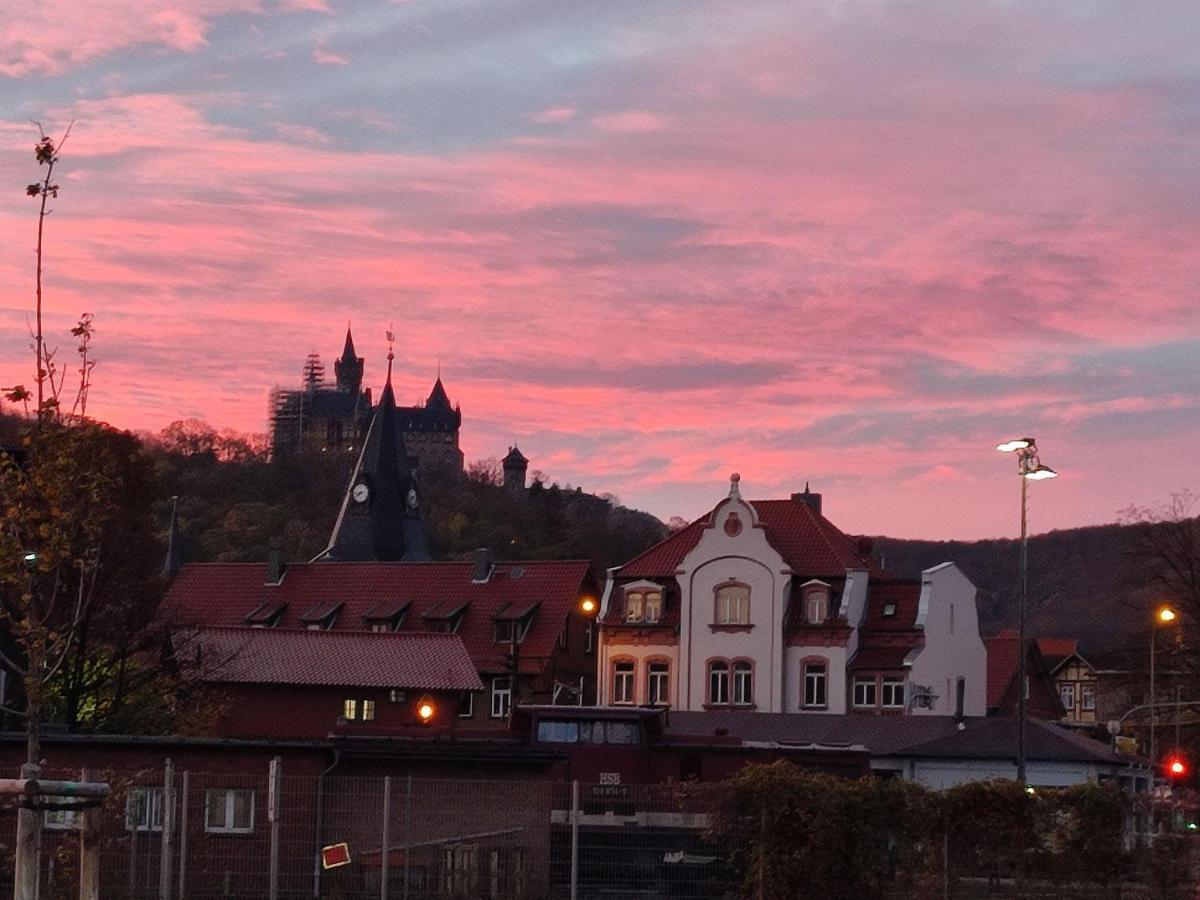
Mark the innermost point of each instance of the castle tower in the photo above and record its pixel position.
(515, 465)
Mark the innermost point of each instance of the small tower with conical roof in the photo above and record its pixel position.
(349, 367)
(515, 466)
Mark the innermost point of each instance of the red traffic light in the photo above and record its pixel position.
(1176, 767)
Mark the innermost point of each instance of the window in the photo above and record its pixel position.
(718, 682)
(501, 697)
(358, 710)
(864, 691)
(889, 609)
(733, 605)
(635, 609)
(1088, 696)
(815, 684)
(589, 634)
(1066, 693)
(61, 819)
(654, 606)
(743, 683)
(228, 811)
(658, 684)
(893, 693)
(505, 632)
(143, 809)
(551, 732)
(816, 608)
(466, 704)
(460, 870)
(623, 682)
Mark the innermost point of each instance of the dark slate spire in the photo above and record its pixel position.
(438, 399)
(348, 367)
(174, 559)
(380, 516)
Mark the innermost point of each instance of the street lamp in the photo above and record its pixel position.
(1164, 615)
(1030, 468)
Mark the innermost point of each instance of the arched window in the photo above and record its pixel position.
(718, 682)
(733, 604)
(743, 683)
(622, 682)
(635, 609)
(657, 683)
(816, 602)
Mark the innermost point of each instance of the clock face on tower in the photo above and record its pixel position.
(361, 492)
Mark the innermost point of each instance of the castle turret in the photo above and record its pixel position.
(515, 465)
(349, 368)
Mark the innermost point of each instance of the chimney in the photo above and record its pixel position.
(276, 566)
(483, 566)
(960, 692)
(809, 499)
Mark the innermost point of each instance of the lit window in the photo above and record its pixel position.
(623, 682)
(864, 691)
(350, 710)
(501, 697)
(368, 710)
(654, 606)
(718, 682)
(743, 684)
(1066, 693)
(635, 609)
(889, 609)
(893, 693)
(229, 811)
(1088, 695)
(733, 605)
(143, 809)
(815, 684)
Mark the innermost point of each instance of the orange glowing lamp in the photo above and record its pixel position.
(426, 710)
(587, 606)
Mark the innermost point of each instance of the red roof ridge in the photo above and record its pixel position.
(339, 632)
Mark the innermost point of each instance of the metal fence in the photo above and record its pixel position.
(174, 834)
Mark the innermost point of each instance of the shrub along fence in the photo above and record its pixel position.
(771, 832)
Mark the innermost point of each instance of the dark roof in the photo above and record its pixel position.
(808, 542)
(514, 456)
(996, 738)
(879, 658)
(909, 736)
(420, 661)
(1056, 651)
(222, 594)
(438, 397)
(903, 597)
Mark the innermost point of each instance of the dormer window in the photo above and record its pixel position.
(643, 603)
(322, 616)
(889, 609)
(816, 602)
(447, 617)
(385, 617)
(267, 615)
(513, 621)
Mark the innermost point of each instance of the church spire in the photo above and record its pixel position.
(349, 367)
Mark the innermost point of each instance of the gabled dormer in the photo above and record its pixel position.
(815, 598)
(321, 616)
(513, 621)
(447, 616)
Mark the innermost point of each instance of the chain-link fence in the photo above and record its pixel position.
(173, 834)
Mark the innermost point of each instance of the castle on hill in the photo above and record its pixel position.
(320, 417)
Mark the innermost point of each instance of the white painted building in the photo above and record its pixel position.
(766, 606)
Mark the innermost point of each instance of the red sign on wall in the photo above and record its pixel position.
(335, 855)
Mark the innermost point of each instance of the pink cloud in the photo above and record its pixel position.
(554, 115)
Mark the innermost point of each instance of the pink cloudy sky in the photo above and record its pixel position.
(854, 243)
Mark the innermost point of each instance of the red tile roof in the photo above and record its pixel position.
(223, 594)
(414, 660)
(808, 542)
(903, 597)
(1056, 651)
(879, 658)
(1001, 665)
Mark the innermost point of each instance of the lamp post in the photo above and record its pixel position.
(1164, 615)
(1030, 468)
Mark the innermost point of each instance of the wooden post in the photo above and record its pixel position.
(168, 817)
(273, 818)
(29, 839)
(89, 847)
(387, 837)
(183, 836)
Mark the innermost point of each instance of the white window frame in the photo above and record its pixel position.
(860, 700)
(817, 608)
(150, 804)
(635, 611)
(658, 683)
(652, 606)
(501, 696)
(60, 819)
(892, 693)
(1066, 691)
(816, 682)
(733, 604)
(742, 677)
(718, 676)
(1087, 697)
(227, 826)
(624, 672)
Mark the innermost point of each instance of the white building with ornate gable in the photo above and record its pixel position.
(766, 606)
